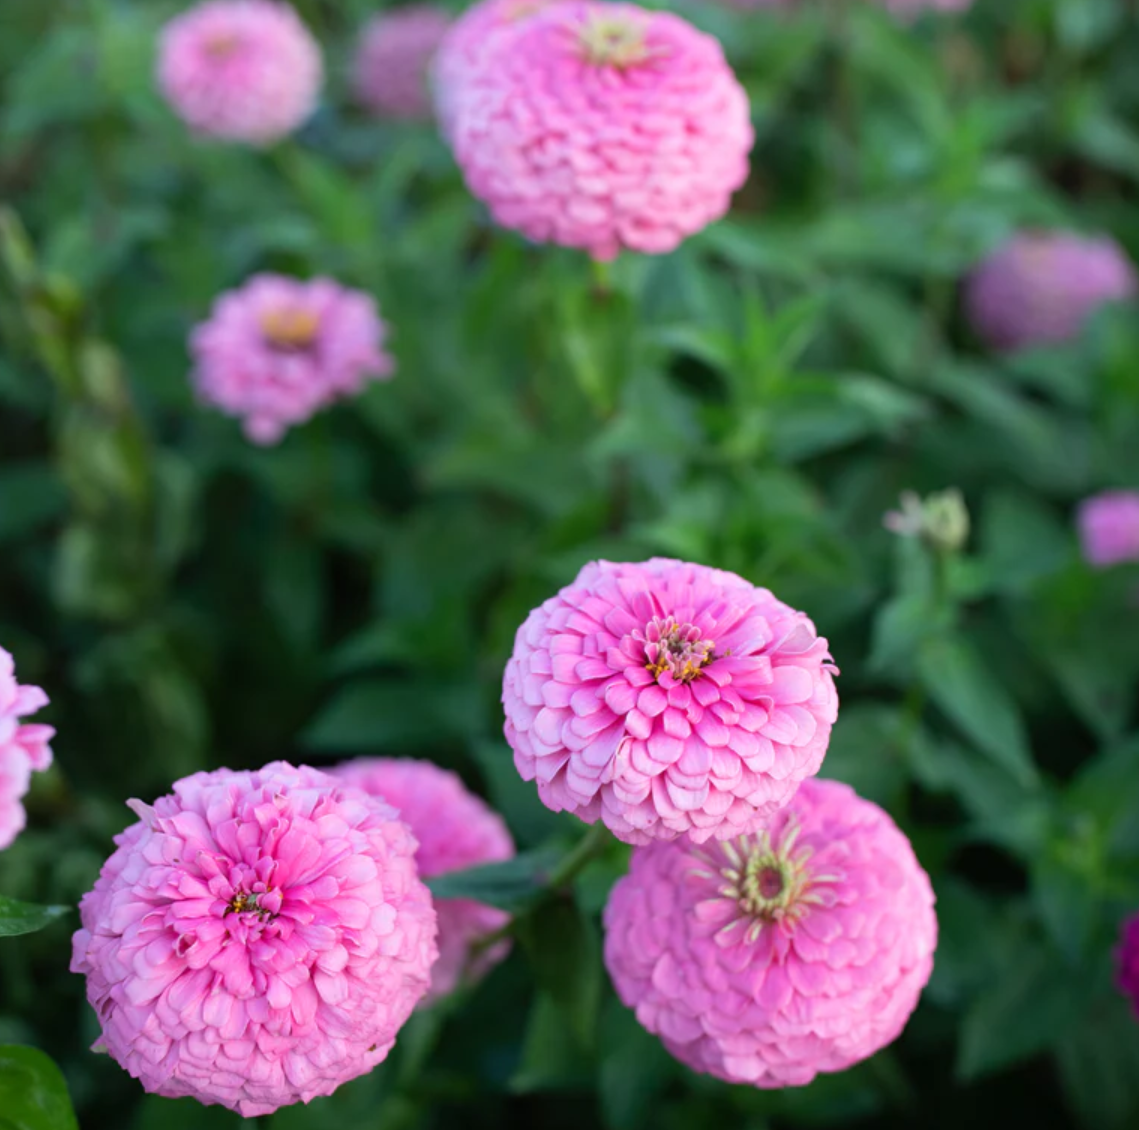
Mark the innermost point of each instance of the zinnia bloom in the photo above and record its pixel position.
(601, 126)
(769, 958)
(256, 939)
(455, 830)
(668, 699)
(1127, 961)
(242, 70)
(1109, 527)
(278, 350)
(23, 747)
(395, 55)
(1040, 288)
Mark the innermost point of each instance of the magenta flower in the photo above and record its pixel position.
(24, 747)
(668, 699)
(256, 939)
(1127, 961)
(1039, 288)
(1109, 527)
(393, 60)
(601, 126)
(242, 70)
(769, 958)
(278, 350)
(455, 830)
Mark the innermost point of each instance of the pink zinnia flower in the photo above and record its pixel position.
(24, 748)
(1127, 961)
(278, 350)
(668, 699)
(1109, 527)
(455, 830)
(467, 49)
(770, 958)
(602, 126)
(1040, 288)
(394, 58)
(243, 70)
(256, 939)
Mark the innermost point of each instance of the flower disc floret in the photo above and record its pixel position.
(455, 830)
(768, 959)
(257, 938)
(278, 350)
(602, 126)
(240, 70)
(394, 60)
(24, 747)
(667, 699)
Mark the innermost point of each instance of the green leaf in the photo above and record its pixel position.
(509, 885)
(552, 1058)
(33, 1093)
(635, 1070)
(25, 917)
(31, 495)
(1099, 1067)
(962, 685)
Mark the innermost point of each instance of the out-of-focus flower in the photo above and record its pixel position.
(941, 519)
(1040, 288)
(278, 350)
(770, 958)
(24, 747)
(1127, 961)
(394, 59)
(668, 699)
(257, 938)
(455, 830)
(604, 126)
(1109, 527)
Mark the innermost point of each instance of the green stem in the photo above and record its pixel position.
(579, 857)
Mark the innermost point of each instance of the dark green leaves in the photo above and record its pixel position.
(25, 918)
(33, 1094)
(508, 885)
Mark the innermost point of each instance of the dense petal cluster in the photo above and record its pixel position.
(768, 959)
(455, 830)
(602, 126)
(1127, 961)
(468, 48)
(394, 59)
(257, 938)
(278, 350)
(668, 699)
(24, 747)
(1040, 288)
(1109, 527)
(242, 70)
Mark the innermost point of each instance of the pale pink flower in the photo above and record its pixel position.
(256, 939)
(1039, 288)
(394, 59)
(241, 70)
(456, 830)
(1109, 527)
(278, 350)
(668, 699)
(772, 957)
(24, 747)
(468, 48)
(602, 126)
(1127, 962)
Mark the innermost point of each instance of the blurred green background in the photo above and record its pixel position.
(755, 401)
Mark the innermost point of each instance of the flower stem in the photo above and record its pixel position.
(583, 852)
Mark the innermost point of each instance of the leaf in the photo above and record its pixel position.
(33, 1093)
(509, 885)
(26, 918)
(552, 1059)
(1099, 1067)
(31, 495)
(635, 1070)
(961, 684)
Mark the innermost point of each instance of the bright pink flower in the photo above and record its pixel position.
(1109, 527)
(602, 126)
(1127, 961)
(23, 747)
(468, 47)
(394, 58)
(455, 830)
(258, 938)
(1040, 288)
(668, 699)
(278, 350)
(770, 958)
(243, 70)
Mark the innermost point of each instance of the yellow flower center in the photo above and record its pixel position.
(290, 330)
(613, 41)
